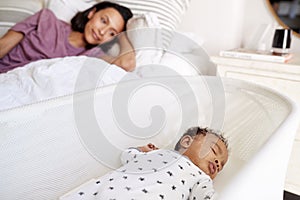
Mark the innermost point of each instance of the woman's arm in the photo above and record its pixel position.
(126, 58)
(9, 41)
(127, 54)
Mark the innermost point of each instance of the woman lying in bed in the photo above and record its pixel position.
(43, 36)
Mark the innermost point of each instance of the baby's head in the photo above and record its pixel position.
(205, 148)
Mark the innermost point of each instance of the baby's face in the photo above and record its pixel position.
(209, 153)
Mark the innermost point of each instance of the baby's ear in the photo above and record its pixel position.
(186, 141)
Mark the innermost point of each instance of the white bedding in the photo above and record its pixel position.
(51, 78)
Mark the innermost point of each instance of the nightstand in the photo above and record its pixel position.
(284, 77)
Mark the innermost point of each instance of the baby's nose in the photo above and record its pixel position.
(217, 164)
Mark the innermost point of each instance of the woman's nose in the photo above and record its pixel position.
(103, 30)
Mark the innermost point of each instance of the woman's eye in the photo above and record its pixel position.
(113, 34)
(103, 20)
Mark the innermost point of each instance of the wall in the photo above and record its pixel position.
(258, 14)
(230, 23)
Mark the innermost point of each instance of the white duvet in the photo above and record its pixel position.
(50, 78)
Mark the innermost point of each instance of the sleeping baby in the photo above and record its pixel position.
(149, 173)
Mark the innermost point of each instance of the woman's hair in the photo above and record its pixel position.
(79, 21)
(193, 131)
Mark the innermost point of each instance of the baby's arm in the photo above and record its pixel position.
(131, 153)
(203, 190)
(148, 147)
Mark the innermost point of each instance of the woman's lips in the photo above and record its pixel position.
(212, 168)
(95, 36)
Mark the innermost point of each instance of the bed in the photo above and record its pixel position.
(58, 116)
(152, 34)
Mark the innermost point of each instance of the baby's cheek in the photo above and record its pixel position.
(205, 152)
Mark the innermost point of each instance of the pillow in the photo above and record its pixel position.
(66, 9)
(169, 13)
(28, 6)
(14, 11)
(159, 17)
(137, 29)
(143, 31)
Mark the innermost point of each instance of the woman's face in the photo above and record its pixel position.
(103, 26)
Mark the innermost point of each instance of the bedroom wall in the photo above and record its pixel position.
(229, 24)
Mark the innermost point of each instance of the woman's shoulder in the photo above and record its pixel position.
(46, 12)
(43, 18)
(48, 17)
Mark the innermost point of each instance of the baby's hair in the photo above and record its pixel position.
(193, 131)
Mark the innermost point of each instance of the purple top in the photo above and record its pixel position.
(44, 37)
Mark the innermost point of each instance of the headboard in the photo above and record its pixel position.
(13, 11)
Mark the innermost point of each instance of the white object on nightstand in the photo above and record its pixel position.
(283, 77)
